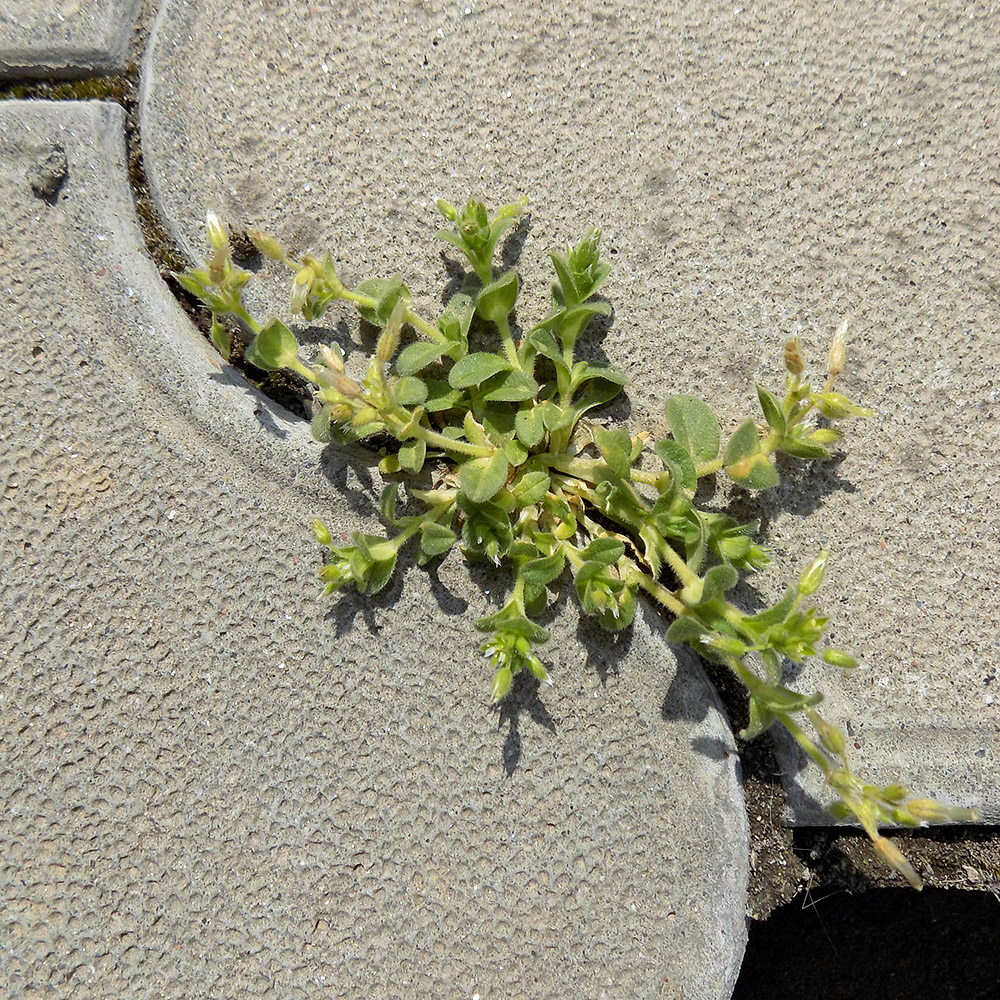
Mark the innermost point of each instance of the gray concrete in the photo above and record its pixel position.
(214, 783)
(46, 38)
(758, 171)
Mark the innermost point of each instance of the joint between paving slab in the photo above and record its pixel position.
(167, 256)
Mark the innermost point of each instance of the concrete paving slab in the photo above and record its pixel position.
(212, 784)
(759, 171)
(65, 38)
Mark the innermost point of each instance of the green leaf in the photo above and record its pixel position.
(571, 322)
(597, 392)
(545, 344)
(554, 417)
(504, 621)
(415, 357)
(746, 463)
(483, 478)
(782, 699)
(570, 295)
(378, 576)
(474, 431)
(372, 562)
(387, 503)
(530, 488)
(476, 368)
(273, 348)
(718, 580)
(320, 426)
(583, 371)
(678, 462)
(529, 426)
(761, 720)
(694, 427)
(522, 551)
(686, 630)
(772, 409)
(412, 455)
(486, 531)
(410, 391)
(387, 292)
(615, 446)
(195, 282)
(440, 396)
(221, 339)
(544, 570)
(776, 613)
(803, 449)
(508, 387)
(435, 539)
(456, 318)
(535, 599)
(497, 299)
(604, 550)
(450, 237)
(516, 452)
(498, 421)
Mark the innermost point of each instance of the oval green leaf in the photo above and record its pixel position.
(475, 368)
(694, 427)
(482, 478)
(273, 348)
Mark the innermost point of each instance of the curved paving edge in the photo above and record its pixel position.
(214, 786)
(753, 184)
(49, 38)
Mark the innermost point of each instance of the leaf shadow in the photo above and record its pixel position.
(523, 698)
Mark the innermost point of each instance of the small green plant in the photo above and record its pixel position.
(521, 475)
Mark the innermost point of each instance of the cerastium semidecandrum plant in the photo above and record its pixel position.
(523, 477)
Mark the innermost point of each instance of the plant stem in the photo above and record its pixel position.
(503, 326)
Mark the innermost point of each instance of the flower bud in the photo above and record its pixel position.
(793, 357)
(837, 658)
(366, 415)
(829, 735)
(332, 358)
(727, 645)
(267, 245)
(824, 435)
(838, 352)
(217, 237)
(447, 209)
(346, 386)
(389, 340)
(930, 811)
(901, 817)
(834, 405)
(813, 576)
(216, 267)
(502, 682)
(536, 667)
(892, 854)
(301, 286)
(321, 532)
(893, 794)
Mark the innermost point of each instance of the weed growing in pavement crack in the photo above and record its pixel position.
(524, 477)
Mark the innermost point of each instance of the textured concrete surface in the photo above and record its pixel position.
(758, 171)
(64, 37)
(213, 783)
